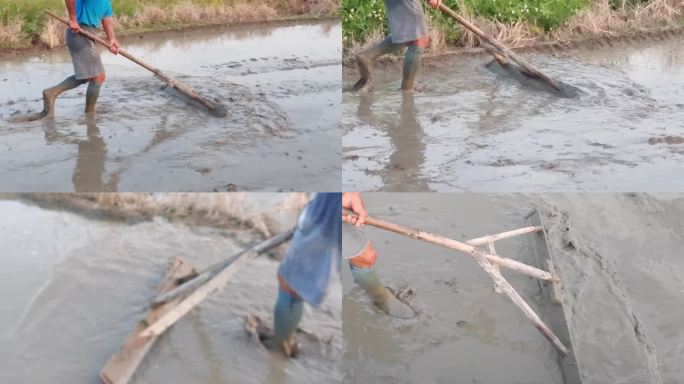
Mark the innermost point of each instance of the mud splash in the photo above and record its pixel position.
(79, 285)
(610, 245)
(468, 128)
(143, 139)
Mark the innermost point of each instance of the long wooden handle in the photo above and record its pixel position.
(180, 86)
(529, 68)
(215, 269)
(454, 244)
(212, 285)
(109, 46)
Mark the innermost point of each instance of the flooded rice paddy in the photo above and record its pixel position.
(283, 131)
(75, 287)
(469, 128)
(618, 259)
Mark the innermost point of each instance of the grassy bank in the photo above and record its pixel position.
(219, 210)
(517, 22)
(23, 23)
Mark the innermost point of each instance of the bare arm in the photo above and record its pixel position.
(108, 25)
(73, 22)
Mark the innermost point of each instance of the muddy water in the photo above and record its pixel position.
(78, 286)
(623, 278)
(469, 128)
(280, 83)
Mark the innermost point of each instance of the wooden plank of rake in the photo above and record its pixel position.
(215, 280)
(485, 261)
(503, 50)
(213, 107)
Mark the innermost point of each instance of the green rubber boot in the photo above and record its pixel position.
(92, 94)
(412, 60)
(367, 279)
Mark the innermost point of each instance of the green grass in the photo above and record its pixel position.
(361, 17)
(546, 14)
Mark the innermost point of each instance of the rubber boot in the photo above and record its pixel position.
(365, 60)
(50, 96)
(92, 94)
(367, 279)
(412, 59)
(287, 315)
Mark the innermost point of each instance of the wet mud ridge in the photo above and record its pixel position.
(255, 65)
(614, 322)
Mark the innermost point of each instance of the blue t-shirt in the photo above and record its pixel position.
(91, 12)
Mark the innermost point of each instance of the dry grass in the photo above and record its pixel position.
(10, 33)
(176, 15)
(189, 13)
(601, 20)
(223, 210)
(53, 34)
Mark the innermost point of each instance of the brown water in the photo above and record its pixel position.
(280, 82)
(74, 287)
(468, 128)
(623, 278)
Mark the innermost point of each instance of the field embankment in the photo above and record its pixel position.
(24, 24)
(268, 214)
(518, 23)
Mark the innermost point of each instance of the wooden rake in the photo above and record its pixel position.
(503, 54)
(489, 261)
(213, 107)
(183, 289)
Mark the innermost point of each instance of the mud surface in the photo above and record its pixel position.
(476, 129)
(280, 83)
(75, 287)
(619, 263)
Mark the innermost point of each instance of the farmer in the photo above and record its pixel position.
(362, 256)
(407, 29)
(311, 260)
(305, 272)
(84, 15)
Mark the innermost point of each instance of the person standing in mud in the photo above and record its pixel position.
(408, 28)
(309, 263)
(362, 256)
(85, 15)
(306, 269)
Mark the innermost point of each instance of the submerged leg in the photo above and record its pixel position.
(366, 58)
(412, 60)
(93, 93)
(288, 313)
(363, 270)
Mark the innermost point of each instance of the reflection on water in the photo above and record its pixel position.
(407, 138)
